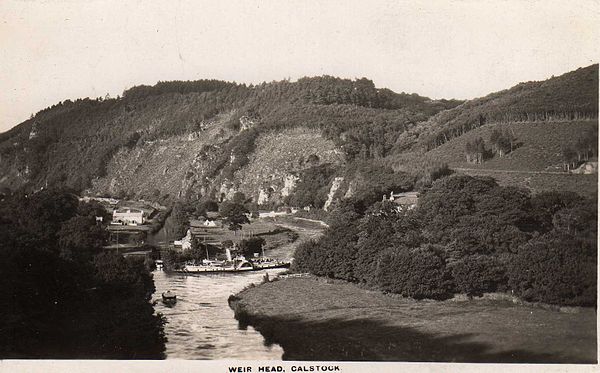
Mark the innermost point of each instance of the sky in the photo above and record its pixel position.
(51, 51)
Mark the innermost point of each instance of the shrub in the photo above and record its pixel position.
(252, 245)
(477, 274)
(383, 226)
(418, 273)
(439, 171)
(556, 269)
(306, 258)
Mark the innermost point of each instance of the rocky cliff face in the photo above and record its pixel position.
(272, 171)
(177, 167)
(173, 167)
(179, 140)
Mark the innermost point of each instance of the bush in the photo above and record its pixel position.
(477, 274)
(334, 254)
(418, 273)
(306, 258)
(556, 269)
(171, 260)
(325, 258)
(251, 246)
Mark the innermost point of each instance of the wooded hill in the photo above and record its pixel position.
(72, 143)
(571, 96)
(207, 138)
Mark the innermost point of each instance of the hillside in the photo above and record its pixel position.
(180, 139)
(571, 96)
(542, 118)
(539, 145)
(208, 138)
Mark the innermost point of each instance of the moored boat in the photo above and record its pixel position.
(169, 297)
(268, 263)
(237, 265)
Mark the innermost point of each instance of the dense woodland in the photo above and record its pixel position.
(70, 143)
(61, 296)
(467, 235)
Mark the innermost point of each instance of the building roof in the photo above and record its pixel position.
(406, 194)
(125, 210)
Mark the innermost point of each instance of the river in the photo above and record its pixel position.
(164, 235)
(201, 325)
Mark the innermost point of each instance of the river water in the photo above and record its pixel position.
(164, 235)
(201, 325)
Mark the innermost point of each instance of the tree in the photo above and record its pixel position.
(502, 141)
(555, 268)
(579, 220)
(475, 151)
(239, 198)
(124, 290)
(44, 212)
(382, 227)
(251, 246)
(234, 215)
(313, 186)
(180, 220)
(94, 209)
(373, 180)
(80, 238)
(545, 204)
(477, 274)
(416, 273)
(210, 205)
(569, 158)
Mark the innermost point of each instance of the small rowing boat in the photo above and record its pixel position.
(169, 297)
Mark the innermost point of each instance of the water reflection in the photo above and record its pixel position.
(201, 324)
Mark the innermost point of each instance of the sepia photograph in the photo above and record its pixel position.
(299, 186)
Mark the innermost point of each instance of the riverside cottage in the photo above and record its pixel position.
(128, 217)
(405, 200)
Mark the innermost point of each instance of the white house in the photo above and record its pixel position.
(128, 217)
(186, 242)
(407, 200)
(271, 214)
(211, 223)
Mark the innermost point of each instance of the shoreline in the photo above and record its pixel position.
(313, 318)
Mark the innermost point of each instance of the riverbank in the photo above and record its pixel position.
(315, 319)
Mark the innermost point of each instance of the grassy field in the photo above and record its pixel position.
(536, 163)
(273, 234)
(586, 185)
(316, 319)
(539, 149)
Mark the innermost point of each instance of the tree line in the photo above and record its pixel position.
(75, 140)
(584, 148)
(570, 97)
(62, 296)
(466, 235)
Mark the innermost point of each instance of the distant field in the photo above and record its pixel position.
(536, 164)
(586, 185)
(273, 234)
(315, 319)
(540, 146)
